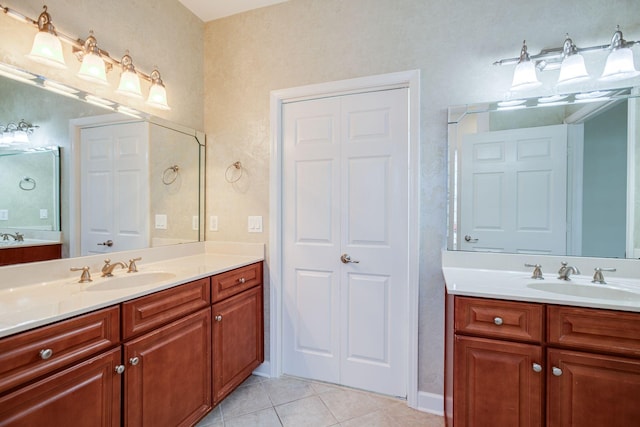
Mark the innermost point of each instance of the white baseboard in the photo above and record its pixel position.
(431, 403)
(264, 370)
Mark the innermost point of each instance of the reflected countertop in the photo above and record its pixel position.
(26, 304)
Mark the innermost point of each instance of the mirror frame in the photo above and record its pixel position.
(457, 113)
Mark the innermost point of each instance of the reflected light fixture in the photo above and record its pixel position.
(129, 80)
(47, 48)
(524, 77)
(157, 92)
(619, 65)
(572, 69)
(93, 68)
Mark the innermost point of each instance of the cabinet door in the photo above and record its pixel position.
(496, 383)
(237, 340)
(592, 390)
(168, 376)
(87, 394)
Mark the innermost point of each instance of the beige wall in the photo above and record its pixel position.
(160, 33)
(301, 42)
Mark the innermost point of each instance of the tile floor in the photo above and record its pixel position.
(293, 402)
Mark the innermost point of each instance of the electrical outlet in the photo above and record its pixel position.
(161, 222)
(213, 223)
(195, 222)
(4, 214)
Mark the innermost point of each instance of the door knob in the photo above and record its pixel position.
(346, 259)
(470, 239)
(107, 243)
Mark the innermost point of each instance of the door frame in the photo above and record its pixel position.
(405, 79)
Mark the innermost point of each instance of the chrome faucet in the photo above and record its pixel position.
(566, 270)
(107, 268)
(18, 237)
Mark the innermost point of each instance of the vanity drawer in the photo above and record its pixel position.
(606, 331)
(499, 319)
(149, 312)
(31, 354)
(235, 281)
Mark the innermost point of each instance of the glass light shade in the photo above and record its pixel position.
(93, 69)
(20, 136)
(47, 49)
(158, 97)
(619, 65)
(130, 85)
(573, 70)
(524, 76)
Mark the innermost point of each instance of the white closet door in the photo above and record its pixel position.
(345, 174)
(114, 188)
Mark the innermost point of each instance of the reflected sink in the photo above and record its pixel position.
(603, 292)
(131, 280)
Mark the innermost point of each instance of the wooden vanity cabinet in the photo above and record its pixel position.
(85, 394)
(509, 369)
(238, 330)
(498, 379)
(22, 254)
(168, 376)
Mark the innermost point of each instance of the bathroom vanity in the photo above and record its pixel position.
(145, 354)
(527, 352)
(17, 254)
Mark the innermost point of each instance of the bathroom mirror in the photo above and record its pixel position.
(173, 171)
(549, 176)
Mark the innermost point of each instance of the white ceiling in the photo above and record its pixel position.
(208, 10)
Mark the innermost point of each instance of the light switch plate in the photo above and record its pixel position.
(161, 222)
(255, 224)
(195, 222)
(213, 223)
(44, 213)
(4, 214)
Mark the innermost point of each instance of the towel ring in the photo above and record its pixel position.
(170, 174)
(238, 167)
(27, 183)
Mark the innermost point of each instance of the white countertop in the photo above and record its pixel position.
(464, 275)
(45, 298)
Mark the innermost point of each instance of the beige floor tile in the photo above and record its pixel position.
(285, 390)
(346, 404)
(307, 412)
(244, 400)
(263, 418)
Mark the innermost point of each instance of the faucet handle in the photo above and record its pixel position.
(598, 277)
(86, 275)
(19, 237)
(537, 271)
(133, 268)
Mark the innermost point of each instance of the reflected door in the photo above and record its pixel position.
(345, 234)
(514, 191)
(114, 188)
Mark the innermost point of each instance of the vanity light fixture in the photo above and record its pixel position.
(619, 65)
(572, 68)
(524, 77)
(569, 59)
(47, 48)
(95, 61)
(14, 133)
(157, 92)
(129, 80)
(93, 68)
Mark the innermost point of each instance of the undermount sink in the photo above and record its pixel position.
(603, 292)
(131, 280)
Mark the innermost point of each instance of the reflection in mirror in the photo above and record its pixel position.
(555, 178)
(62, 118)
